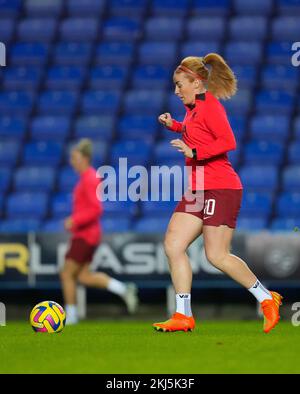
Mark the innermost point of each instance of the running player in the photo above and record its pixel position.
(86, 235)
(206, 139)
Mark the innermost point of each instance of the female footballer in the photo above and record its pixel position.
(206, 139)
(86, 235)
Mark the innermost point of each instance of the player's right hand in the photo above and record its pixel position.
(165, 119)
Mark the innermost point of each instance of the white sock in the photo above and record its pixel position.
(71, 312)
(183, 304)
(116, 287)
(260, 292)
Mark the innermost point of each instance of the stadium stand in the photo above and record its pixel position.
(103, 70)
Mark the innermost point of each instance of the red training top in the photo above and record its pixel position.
(206, 129)
(87, 209)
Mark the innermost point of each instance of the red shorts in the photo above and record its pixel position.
(80, 251)
(215, 207)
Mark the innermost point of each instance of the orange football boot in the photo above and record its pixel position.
(270, 310)
(178, 322)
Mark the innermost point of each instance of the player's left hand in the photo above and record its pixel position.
(68, 223)
(182, 147)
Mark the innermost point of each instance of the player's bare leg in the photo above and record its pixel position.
(68, 277)
(100, 280)
(183, 229)
(217, 242)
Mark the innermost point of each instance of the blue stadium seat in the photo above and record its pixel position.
(159, 53)
(27, 205)
(44, 153)
(134, 8)
(121, 29)
(280, 77)
(288, 7)
(9, 152)
(108, 77)
(243, 53)
(22, 78)
(137, 102)
(57, 102)
(291, 178)
(238, 125)
(100, 151)
(253, 7)
(79, 29)
(111, 225)
(67, 178)
(164, 28)
(262, 178)
(50, 128)
(246, 76)
(199, 48)
(251, 224)
(138, 127)
(32, 179)
(37, 29)
(65, 77)
(279, 52)
(10, 8)
(61, 205)
(270, 127)
(274, 101)
(286, 28)
(72, 53)
(95, 127)
(241, 28)
(119, 209)
(170, 8)
(163, 150)
(263, 152)
(145, 77)
(211, 7)
(136, 152)
(212, 29)
(175, 105)
(1, 200)
(19, 226)
(7, 28)
(296, 127)
(294, 153)
(158, 209)
(5, 179)
(151, 225)
(86, 7)
(29, 54)
(53, 226)
(234, 156)
(240, 103)
(288, 205)
(118, 53)
(12, 127)
(16, 103)
(100, 102)
(285, 224)
(256, 204)
(44, 8)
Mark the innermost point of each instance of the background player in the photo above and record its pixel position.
(86, 235)
(206, 139)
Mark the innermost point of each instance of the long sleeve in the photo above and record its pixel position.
(176, 126)
(217, 122)
(92, 208)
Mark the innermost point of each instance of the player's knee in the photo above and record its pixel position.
(172, 247)
(84, 279)
(215, 257)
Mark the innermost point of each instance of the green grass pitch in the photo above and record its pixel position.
(134, 347)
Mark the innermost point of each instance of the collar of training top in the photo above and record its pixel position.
(200, 96)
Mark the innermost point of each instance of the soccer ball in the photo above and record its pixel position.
(48, 316)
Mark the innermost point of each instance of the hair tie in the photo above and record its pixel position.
(188, 71)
